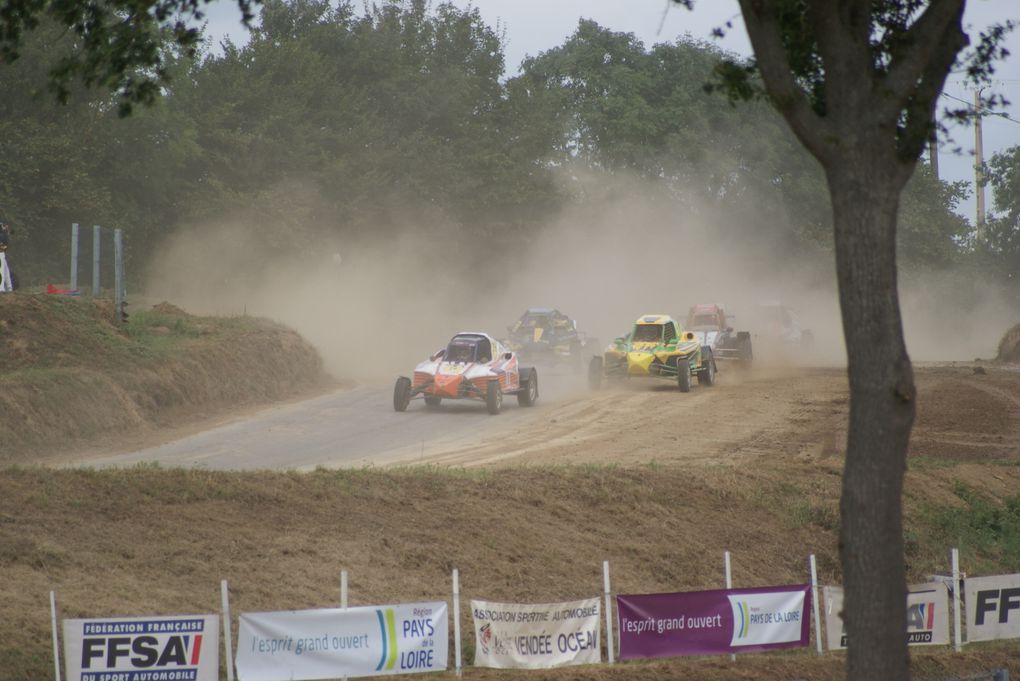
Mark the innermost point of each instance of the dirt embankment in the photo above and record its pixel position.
(71, 378)
(1009, 346)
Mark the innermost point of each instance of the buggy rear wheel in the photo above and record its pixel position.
(402, 394)
(529, 389)
(493, 397)
(432, 400)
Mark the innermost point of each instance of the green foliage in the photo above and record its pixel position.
(930, 233)
(1003, 229)
(891, 29)
(334, 124)
(117, 46)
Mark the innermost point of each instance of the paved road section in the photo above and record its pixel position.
(348, 428)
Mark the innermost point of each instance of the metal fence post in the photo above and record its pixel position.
(56, 640)
(729, 585)
(456, 622)
(228, 646)
(609, 612)
(74, 256)
(118, 276)
(96, 236)
(957, 633)
(343, 599)
(814, 605)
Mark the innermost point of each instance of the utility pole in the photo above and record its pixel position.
(933, 149)
(979, 164)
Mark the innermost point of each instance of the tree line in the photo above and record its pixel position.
(344, 122)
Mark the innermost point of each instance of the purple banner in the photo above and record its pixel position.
(714, 622)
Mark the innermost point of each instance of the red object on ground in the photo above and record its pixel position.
(50, 288)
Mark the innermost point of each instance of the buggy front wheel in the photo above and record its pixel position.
(402, 394)
(493, 397)
(683, 375)
(529, 389)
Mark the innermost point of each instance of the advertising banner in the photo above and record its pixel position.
(927, 615)
(993, 607)
(330, 643)
(714, 622)
(161, 648)
(539, 636)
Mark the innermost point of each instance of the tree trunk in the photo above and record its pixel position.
(865, 198)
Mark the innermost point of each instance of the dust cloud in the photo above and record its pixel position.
(374, 306)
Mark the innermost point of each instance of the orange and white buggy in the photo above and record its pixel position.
(472, 366)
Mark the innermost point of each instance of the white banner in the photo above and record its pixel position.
(766, 618)
(537, 636)
(993, 607)
(927, 615)
(161, 648)
(330, 643)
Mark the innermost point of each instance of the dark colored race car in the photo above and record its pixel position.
(544, 335)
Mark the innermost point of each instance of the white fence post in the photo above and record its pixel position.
(456, 622)
(957, 634)
(56, 640)
(343, 598)
(729, 585)
(228, 646)
(609, 612)
(814, 605)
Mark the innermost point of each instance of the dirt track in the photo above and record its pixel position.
(798, 411)
(966, 413)
(781, 414)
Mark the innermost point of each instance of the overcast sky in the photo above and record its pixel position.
(532, 26)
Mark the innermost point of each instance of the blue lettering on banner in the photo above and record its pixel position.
(143, 627)
(162, 675)
(416, 628)
(576, 641)
(416, 659)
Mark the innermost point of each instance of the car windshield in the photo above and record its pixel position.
(460, 351)
(703, 321)
(468, 349)
(536, 321)
(647, 333)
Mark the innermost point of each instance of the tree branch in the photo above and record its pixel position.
(920, 103)
(763, 28)
(923, 43)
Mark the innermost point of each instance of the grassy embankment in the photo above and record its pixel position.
(70, 378)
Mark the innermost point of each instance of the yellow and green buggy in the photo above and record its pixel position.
(657, 347)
